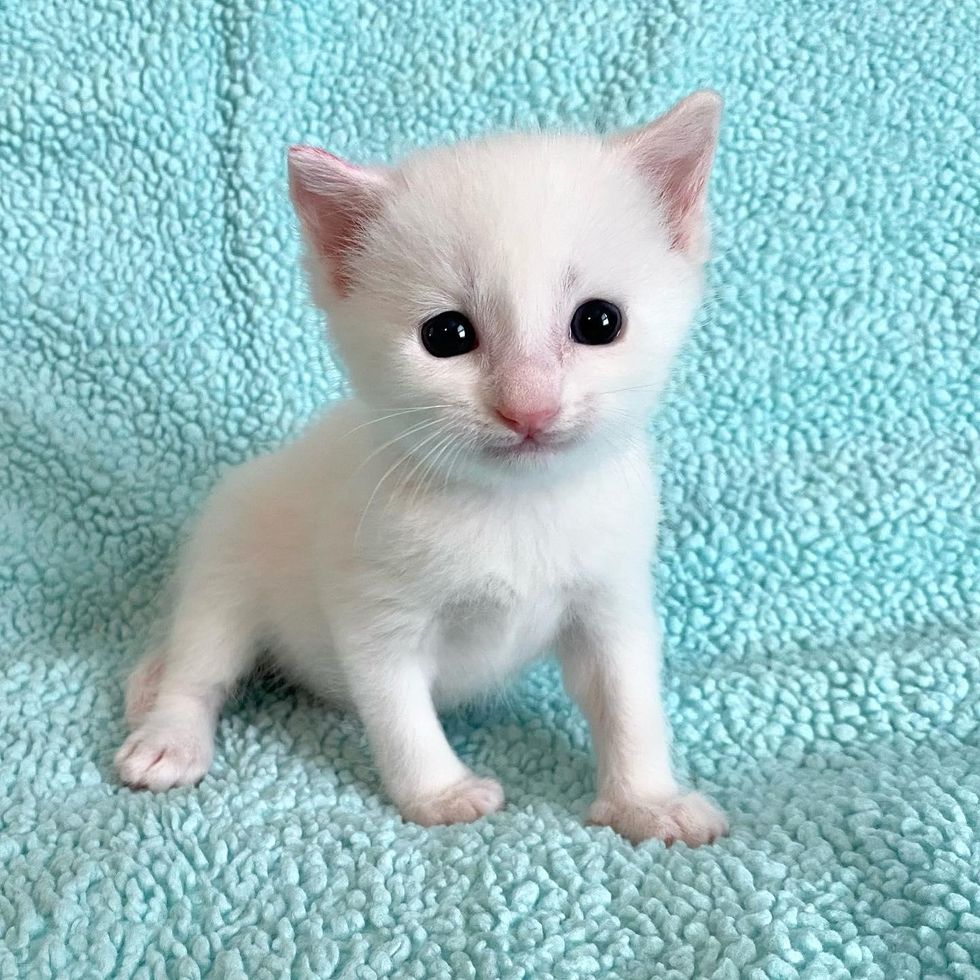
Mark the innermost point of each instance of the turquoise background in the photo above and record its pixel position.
(819, 564)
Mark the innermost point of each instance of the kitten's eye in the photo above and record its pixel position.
(448, 335)
(596, 322)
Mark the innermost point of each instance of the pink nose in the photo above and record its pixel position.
(527, 421)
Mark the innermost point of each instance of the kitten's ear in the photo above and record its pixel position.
(333, 200)
(674, 154)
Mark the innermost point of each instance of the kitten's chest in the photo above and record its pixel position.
(496, 574)
(478, 642)
(491, 563)
(499, 595)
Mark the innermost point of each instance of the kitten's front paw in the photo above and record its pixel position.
(154, 760)
(689, 818)
(464, 802)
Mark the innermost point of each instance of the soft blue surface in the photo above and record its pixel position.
(821, 547)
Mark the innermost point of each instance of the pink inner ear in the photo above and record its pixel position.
(684, 191)
(334, 200)
(675, 153)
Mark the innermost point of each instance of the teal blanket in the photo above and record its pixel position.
(820, 566)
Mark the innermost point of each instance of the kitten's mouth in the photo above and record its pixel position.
(526, 447)
(531, 447)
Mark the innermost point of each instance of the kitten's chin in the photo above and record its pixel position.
(535, 450)
(527, 450)
(548, 457)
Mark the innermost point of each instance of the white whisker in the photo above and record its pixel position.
(418, 465)
(391, 469)
(614, 391)
(408, 432)
(394, 415)
(452, 464)
(441, 449)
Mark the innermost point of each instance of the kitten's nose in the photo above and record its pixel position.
(526, 421)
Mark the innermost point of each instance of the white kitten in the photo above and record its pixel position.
(507, 310)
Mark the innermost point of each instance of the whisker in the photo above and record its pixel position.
(429, 460)
(408, 432)
(446, 450)
(418, 465)
(452, 464)
(391, 469)
(393, 415)
(614, 391)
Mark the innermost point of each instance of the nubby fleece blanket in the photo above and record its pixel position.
(818, 572)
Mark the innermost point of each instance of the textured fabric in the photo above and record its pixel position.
(819, 565)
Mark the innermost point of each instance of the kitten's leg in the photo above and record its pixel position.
(174, 698)
(141, 688)
(421, 773)
(610, 661)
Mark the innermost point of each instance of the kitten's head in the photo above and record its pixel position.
(519, 298)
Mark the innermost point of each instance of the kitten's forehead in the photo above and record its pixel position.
(538, 169)
(513, 216)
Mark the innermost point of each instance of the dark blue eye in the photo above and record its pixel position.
(448, 335)
(596, 322)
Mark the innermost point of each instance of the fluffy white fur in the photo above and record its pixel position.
(410, 550)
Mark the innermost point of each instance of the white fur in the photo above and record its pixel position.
(398, 556)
